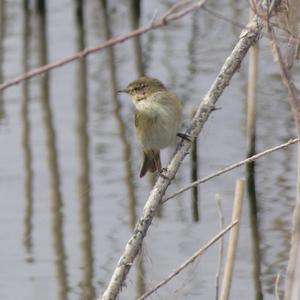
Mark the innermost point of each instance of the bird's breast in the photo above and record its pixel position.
(157, 122)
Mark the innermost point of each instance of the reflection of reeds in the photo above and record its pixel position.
(27, 153)
(57, 220)
(135, 14)
(127, 153)
(194, 177)
(121, 123)
(83, 181)
(2, 34)
(193, 68)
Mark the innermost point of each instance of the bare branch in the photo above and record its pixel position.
(189, 260)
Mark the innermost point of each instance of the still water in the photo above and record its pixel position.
(70, 192)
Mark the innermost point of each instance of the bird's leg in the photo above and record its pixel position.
(159, 168)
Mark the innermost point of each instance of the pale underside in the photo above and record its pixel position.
(158, 120)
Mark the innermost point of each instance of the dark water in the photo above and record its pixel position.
(70, 192)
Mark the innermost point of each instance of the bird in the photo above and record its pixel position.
(158, 117)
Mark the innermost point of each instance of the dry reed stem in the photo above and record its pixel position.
(190, 260)
(251, 97)
(292, 285)
(168, 17)
(247, 38)
(233, 239)
(231, 167)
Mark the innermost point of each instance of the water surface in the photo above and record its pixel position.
(70, 192)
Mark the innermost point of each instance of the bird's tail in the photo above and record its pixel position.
(151, 162)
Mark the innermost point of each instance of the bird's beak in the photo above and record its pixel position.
(123, 91)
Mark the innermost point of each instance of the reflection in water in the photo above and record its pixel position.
(193, 67)
(253, 211)
(83, 181)
(237, 13)
(194, 177)
(192, 71)
(280, 225)
(194, 59)
(2, 36)
(250, 169)
(57, 220)
(135, 14)
(27, 152)
(127, 153)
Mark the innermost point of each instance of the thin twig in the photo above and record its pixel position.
(153, 19)
(223, 18)
(175, 7)
(233, 239)
(231, 167)
(163, 21)
(189, 260)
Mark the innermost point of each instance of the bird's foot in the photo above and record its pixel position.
(184, 136)
(161, 171)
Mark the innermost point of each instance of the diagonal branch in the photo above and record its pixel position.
(248, 37)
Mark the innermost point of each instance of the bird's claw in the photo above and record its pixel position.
(184, 136)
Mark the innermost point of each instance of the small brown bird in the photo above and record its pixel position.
(157, 119)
